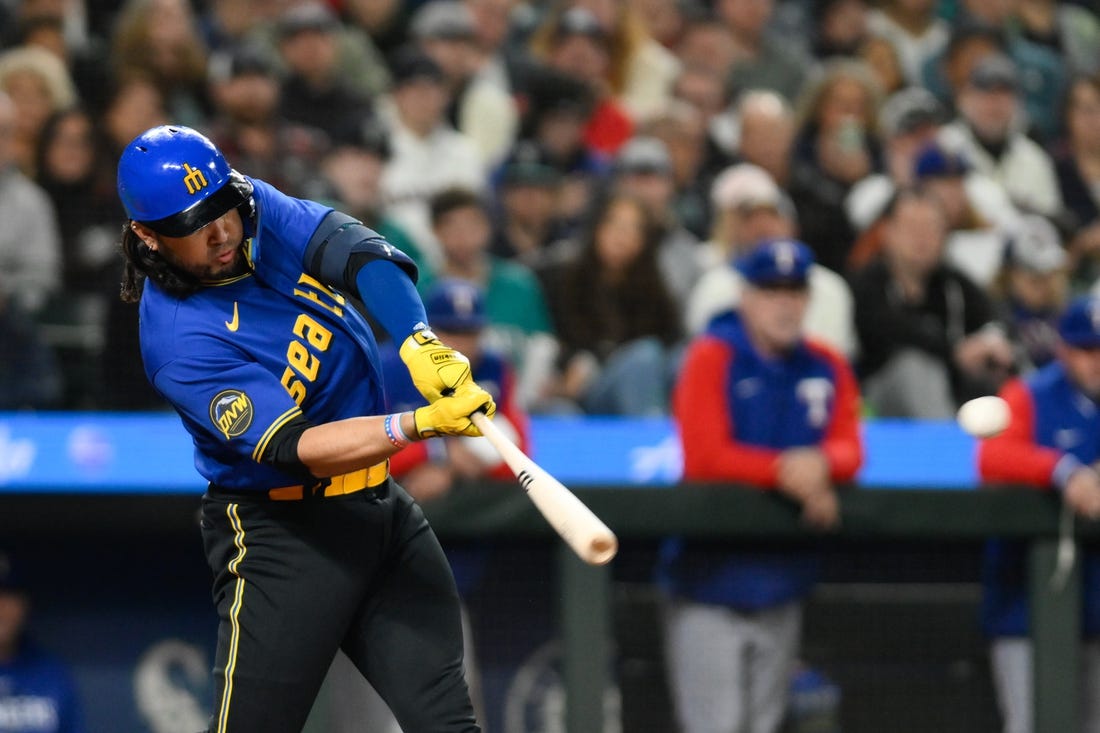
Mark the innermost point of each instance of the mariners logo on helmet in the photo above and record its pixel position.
(194, 179)
(231, 412)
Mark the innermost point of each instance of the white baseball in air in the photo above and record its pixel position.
(984, 417)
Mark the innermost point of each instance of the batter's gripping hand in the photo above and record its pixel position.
(450, 415)
(435, 368)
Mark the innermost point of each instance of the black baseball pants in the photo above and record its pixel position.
(294, 581)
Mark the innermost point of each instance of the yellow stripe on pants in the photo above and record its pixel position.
(235, 609)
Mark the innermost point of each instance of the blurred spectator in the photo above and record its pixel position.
(914, 30)
(30, 246)
(759, 404)
(45, 25)
(1043, 71)
(683, 130)
(841, 27)
(907, 122)
(705, 90)
(614, 316)
(833, 149)
(527, 220)
(351, 169)
(1077, 166)
(574, 43)
(707, 42)
(37, 693)
(1068, 30)
(317, 91)
(1032, 290)
(519, 320)
(385, 21)
(643, 169)
(978, 209)
(481, 109)
(249, 126)
(759, 60)
(637, 73)
(1050, 444)
(558, 112)
(1042, 74)
(946, 73)
(132, 106)
(498, 31)
(38, 84)
(766, 129)
(429, 155)
(882, 59)
(160, 39)
(665, 19)
(751, 209)
(227, 24)
(642, 69)
(977, 213)
(72, 171)
(927, 334)
(987, 135)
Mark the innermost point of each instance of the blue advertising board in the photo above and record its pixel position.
(151, 453)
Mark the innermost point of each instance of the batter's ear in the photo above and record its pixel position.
(145, 234)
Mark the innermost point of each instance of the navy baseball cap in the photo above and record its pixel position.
(455, 305)
(935, 162)
(1079, 325)
(777, 263)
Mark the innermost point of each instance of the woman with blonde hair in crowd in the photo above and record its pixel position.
(39, 85)
(160, 38)
(641, 71)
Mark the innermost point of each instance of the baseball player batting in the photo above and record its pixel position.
(313, 546)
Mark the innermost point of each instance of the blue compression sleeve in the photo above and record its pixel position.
(390, 296)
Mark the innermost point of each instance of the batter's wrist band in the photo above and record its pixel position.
(397, 436)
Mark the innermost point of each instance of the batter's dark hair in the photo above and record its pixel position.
(142, 262)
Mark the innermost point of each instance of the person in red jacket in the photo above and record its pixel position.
(1052, 443)
(760, 405)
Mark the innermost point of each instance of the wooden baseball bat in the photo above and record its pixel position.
(582, 530)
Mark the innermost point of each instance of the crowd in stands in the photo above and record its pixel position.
(593, 166)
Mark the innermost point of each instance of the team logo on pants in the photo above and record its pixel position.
(231, 412)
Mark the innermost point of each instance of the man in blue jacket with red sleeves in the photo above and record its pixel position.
(760, 405)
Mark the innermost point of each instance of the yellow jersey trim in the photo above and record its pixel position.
(279, 422)
(234, 613)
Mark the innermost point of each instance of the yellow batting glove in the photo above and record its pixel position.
(435, 368)
(450, 415)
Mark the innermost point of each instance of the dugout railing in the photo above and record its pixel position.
(639, 513)
(716, 512)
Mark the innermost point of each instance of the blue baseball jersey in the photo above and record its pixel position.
(37, 695)
(1057, 416)
(244, 356)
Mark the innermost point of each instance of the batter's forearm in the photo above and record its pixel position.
(352, 444)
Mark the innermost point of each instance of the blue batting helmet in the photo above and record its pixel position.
(175, 181)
